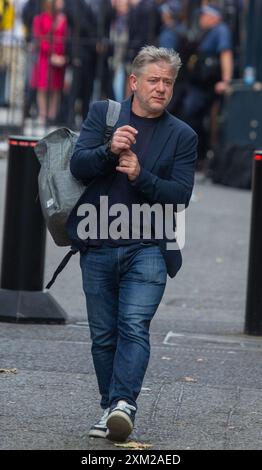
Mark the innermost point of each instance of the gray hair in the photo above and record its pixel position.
(151, 55)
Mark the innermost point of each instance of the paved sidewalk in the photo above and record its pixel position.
(203, 387)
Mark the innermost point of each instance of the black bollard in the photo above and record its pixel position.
(22, 298)
(253, 322)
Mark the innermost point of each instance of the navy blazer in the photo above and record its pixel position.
(167, 175)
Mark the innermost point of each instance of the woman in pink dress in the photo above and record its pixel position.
(50, 30)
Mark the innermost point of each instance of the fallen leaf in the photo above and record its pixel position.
(134, 445)
(189, 379)
(7, 371)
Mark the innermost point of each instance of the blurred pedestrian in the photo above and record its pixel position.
(143, 25)
(7, 20)
(210, 71)
(31, 9)
(119, 37)
(172, 30)
(90, 48)
(50, 29)
(149, 159)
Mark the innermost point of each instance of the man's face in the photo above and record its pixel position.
(153, 89)
(208, 21)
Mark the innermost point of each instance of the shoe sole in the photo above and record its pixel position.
(119, 426)
(97, 433)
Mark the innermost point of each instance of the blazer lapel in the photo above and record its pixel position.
(160, 137)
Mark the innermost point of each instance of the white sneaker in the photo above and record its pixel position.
(120, 421)
(99, 429)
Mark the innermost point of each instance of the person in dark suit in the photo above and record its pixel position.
(210, 72)
(150, 162)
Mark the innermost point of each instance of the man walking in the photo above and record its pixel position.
(150, 159)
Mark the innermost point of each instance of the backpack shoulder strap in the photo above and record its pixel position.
(113, 113)
(62, 265)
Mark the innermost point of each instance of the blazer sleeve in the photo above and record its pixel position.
(91, 157)
(178, 188)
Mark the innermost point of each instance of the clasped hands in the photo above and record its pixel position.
(121, 142)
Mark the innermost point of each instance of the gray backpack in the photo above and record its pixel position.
(59, 191)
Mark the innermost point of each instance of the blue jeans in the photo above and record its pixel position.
(123, 287)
